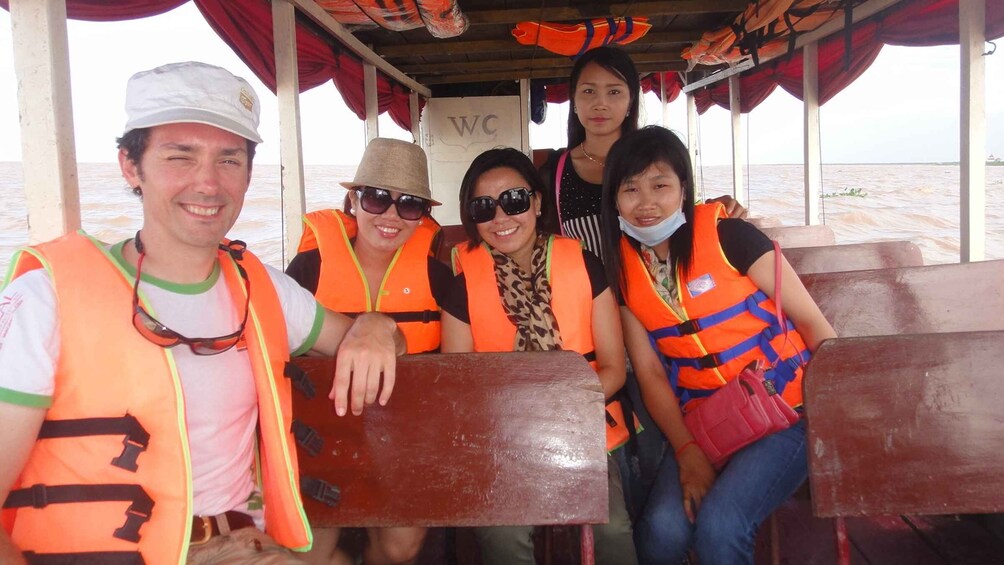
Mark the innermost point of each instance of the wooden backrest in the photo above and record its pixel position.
(933, 299)
(907, 424)
(466, 440)
(764, 222)
(854, 257)
(801, 236)
(449, 237)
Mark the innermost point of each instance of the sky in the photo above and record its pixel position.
(904, 108)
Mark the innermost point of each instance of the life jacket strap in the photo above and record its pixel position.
(135, 441)
(749, 304)
(307, 438)
(320, 490)
(299, 379)
(590, 356)
(85, 558)
(421, 316)
(138, 513)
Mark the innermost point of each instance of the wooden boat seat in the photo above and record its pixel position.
(932, 299)
(449, 236)
(801, 236)
(467, 440)
(905, 424)
(854, 257)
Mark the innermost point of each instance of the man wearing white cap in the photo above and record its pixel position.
(127, 440)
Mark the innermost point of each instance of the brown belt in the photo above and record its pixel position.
(205, 528)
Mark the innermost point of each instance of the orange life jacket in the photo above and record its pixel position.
(572, 40)
(571, 301)
(728, 323)
(115, 436)
(405, 293)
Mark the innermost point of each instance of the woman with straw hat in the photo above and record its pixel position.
(375, 256)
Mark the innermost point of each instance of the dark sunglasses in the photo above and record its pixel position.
(377, 201)
(159, 334)
(512, 201)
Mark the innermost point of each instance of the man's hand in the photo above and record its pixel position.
(732, 207)
(367, 353)
(696, 477)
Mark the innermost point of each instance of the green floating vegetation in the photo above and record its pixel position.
(856, 191)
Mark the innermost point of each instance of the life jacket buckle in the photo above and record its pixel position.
(130, 452)
(427, 316)
(689, 327)
(39, 499)
(709, 361)
(134, 521)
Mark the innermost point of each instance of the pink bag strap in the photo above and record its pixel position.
(557, 189)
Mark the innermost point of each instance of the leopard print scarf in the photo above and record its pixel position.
(526, 299)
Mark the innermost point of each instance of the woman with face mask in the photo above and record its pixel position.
(676, 265)
(376, 257)
(520, 289)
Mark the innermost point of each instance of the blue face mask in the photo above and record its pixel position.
(654, 235)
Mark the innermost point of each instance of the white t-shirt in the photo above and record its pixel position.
(220, 404)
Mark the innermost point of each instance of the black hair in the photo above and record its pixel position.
(134, 143)
(629, 156)
(617, 62)
(498, 158)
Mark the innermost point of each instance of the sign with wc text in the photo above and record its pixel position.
(458, 130)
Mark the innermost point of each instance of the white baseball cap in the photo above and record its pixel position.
(192, 92)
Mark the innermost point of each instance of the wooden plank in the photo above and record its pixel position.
(507, 65)
(958, 539)
(812, 154)
(602, 10)
(801, 236)
(911, 299)
(854, 257)
(972, 132)
(906, 424)
(287, 79)
(738, 143)
(890, 540)
(536, 73)
(482, 46)
(467, 439)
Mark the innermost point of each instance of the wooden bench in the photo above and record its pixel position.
(801, 236)
(907, 424)
(466, 440)
(854, 257)
(932, 299)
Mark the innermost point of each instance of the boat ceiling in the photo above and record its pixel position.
(487, 51)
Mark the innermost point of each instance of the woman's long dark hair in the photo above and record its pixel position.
(617, 62)
(630, 156)
(500, 157)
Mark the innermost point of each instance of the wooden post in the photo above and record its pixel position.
(49, 157)
(738, 158)
(287, 82)
(524, 111)
(812, 153)
(372, 102)
(973, 132)
(416, 118)
(692, 141)
(662, 98)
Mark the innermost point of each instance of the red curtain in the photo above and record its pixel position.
(246, 27)
(558, 93)
(113, 10)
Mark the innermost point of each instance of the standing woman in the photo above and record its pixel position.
(684, 274)
(604, 91)
(519, 289)
(377, 257)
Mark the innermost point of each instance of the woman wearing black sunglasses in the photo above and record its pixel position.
(375, 257)
(519, 289)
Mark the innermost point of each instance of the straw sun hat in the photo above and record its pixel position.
(393, 164)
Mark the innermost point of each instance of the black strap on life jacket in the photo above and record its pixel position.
(307, 438)
(423, 316)
(300, 380)
(138, 513)
(135, 441)
(590, 356)
(85, 558)
(320, 490)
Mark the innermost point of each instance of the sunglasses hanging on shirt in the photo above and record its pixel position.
(512, 201)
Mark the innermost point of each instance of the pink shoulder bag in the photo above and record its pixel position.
(747, 408)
